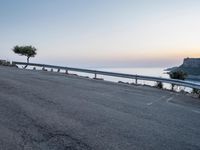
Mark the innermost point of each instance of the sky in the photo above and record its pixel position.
(102, 33)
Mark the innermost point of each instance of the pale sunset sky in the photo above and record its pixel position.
(102, 33)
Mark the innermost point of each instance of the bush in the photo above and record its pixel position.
(196, 91)
(159, 85)
(181, 75)
(4, 63)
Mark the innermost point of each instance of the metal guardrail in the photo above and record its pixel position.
(113, 74)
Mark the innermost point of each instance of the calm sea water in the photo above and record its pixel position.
(155, 72)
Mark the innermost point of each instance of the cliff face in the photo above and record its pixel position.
(191, 66)
(191, 63)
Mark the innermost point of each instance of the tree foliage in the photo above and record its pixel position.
(181, 75)
(28, 51)
(196, 91)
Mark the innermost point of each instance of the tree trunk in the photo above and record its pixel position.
(27, 62)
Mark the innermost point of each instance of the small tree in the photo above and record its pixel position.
(196, 91)
(178, 75)
(28, 51)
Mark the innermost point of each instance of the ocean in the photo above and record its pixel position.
(155, 72)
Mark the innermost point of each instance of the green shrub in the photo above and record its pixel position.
(5, 63)
(196, 91)
(181, 75)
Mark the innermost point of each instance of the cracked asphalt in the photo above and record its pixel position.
(52, 111)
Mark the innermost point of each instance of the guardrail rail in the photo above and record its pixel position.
(113, 74)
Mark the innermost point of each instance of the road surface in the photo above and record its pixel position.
(52, 111)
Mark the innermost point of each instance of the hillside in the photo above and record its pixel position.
(190, 65)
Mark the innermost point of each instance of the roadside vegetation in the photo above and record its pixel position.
(28, 51)
(180, 75)
(6, 63)
(196, 92)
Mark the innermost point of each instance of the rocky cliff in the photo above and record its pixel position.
(191, 63)
(191, 66)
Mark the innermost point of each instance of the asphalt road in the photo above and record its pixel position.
(51, 111)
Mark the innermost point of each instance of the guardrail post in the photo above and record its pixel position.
(136, 80)
(13, 63)
(95, 75)
(173, 85)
